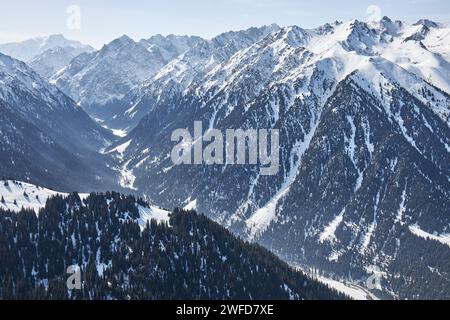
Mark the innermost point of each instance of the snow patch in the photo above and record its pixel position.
(350, 148)
(328, 233)
(442, 238)
(401, 210)
(26, 195)
(127, 177)
(121, 148)
(151, 213)
(192, 205)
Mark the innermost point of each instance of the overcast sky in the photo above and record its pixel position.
(104, 20)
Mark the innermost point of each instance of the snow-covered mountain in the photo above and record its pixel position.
(45, 137)
(98, 80)
(177, 75)
(363, 112)
(171, 46)
(394, 41)
(53, 60)
(18, 195)
(29, 49)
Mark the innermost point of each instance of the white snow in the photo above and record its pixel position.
(141, 162)
(192, 205)
(121, 148)
(369, 145)
(350, 148)
(371, 228)
(152, 213)
(403, 129)
(353, 290)
(127, 177)
(328, 233)
(262, 218)
(442, 238)
(119, 132)
(401, 209)
(36, 199)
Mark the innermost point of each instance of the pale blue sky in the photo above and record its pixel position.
(103, 20)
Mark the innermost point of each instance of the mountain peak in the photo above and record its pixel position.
(57, 36)
(29, 49)
(427, 23)
(424, 27)
(121, 41)
(293, 36)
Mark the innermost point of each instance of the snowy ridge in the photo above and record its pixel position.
(90, 80)
(17, 76)
(364, 109)
(442, 238)
(271, 54)
(18, 195)
(29, 49)
(56, 59)
(152, 213)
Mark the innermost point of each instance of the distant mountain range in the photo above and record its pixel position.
(363, 111)
(46, 55)
(30, 49)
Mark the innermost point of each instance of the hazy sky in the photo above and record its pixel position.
(104, 20)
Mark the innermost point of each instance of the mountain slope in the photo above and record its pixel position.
(182, 72)
(394, 41)
(46, 137)
(98, 80)
(364, 151)
(190, 257)
(171, 46)
(374, 184)
(18, 195)
(53, 60)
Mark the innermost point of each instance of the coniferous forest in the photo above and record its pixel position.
(190, 257)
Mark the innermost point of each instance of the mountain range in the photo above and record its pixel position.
(46, 55)
(363, 113)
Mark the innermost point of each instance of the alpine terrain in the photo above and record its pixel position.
(126, 249)
(362, 188)
(364, 179)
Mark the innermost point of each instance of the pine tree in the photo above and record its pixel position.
(136, 265)
(3, 200)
